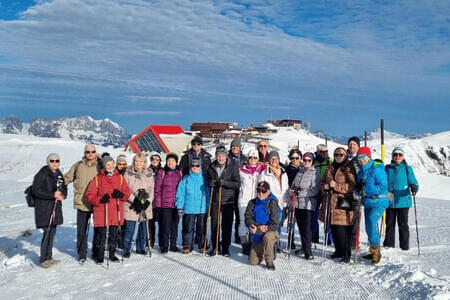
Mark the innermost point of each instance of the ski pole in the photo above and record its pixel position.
(358, 222)
(327, 213)
(417, 228)
(107, 235)
(209, 215)
(147, 227)
(119, 229)
(47, 233)
(218, 221)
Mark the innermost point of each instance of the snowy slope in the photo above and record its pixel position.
(402, 275)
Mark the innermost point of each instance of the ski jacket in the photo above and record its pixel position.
(375, 182)
(262, 212)
(45, 184)
(400, 178)
(101, 185)
(279, 189)
(186, 159)
(345, 178)
(193, 194)
(291, 172)
(81, 175)
(239, 159)
(306, 186)
(166, 187)
(138, 180)
(231, 182)
(322, 165)
(249, 180)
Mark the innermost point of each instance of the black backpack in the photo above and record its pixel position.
(29, 196)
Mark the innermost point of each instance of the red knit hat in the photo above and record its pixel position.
(365, 151)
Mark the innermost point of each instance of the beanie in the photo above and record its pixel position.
(172, 155)
(308, 155)
(221, 150)
(365, 151)
(236, 142)
(197, 140)
(253, 153)
(52, 156)
(355, 139)
(398, 149)
(121, 157)
(274, 153)
(106, 159)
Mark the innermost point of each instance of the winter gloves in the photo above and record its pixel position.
(117, 194)
(105, 199)
(140, 202)
(414, 188)
(216, 182)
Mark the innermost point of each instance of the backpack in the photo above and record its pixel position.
(29, 196)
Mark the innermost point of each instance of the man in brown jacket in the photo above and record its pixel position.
(81, 173)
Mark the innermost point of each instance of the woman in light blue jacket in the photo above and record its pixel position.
(192, 202)
(401, 183)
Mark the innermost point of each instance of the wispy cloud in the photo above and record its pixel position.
(147, 113)
(163, 99)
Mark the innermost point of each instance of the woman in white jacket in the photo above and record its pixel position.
(249, 174)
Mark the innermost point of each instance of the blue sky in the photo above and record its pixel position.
(342, 65)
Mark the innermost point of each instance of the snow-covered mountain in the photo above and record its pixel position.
(102, 132)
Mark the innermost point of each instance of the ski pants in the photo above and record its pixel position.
(82, 232)
(98, 248)
(265, 249)
(342, 238)
(168, 227)
(141, 238)
(399, 215)
(373, 211)
(47, 243)
(191, 222)
(303, 217)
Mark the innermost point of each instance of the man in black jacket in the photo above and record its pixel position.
(195, 152)
(223, 176)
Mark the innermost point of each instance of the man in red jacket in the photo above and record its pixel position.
(107, 192)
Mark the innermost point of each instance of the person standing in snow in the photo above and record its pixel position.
(155, 166)
(295, 157)
(167, 181)
(107, 192)
(401, 184)
(121, 164)
(223, 176)
(372, 184)
(263, 152)
(249, 174)
(195, 152)
(261, 217)
(81, 173)
(235, 154)
(48, 190)
(192, 201)
(338, 183)
(138, 208)
(305, 188)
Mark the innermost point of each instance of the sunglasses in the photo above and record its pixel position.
(196, 144)
(307, 160)
(253, 157)
(88, 152)
(262, 146)
(156, 158)
(362, 156)
(339, 155)
(323, 151)
(54, 160)
(397, 154)
(294, 157)
(196, 166)
(122, 164)
(261, 190)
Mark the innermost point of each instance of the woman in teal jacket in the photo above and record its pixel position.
(372, 184)
(192, 202)
(401, 183)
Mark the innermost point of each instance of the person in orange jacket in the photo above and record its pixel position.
(107, 192)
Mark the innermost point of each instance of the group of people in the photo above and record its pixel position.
(256, 192)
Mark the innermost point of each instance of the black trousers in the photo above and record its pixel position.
(342, 236)
(168, 227)
(191, 222)
(47, 243)
(303, 217)
(226, 220)
(98, 248)
(237, 222)
(399, 215)
(82, 232)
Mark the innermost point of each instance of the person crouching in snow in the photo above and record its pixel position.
(372, 184)
(139, 206)
(192, 202)
(262, 216)
(107, 192)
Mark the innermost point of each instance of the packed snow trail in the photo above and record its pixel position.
(401, 275)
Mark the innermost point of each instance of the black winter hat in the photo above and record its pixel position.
(172, 155)
(295, 150)
(197, 140)
(355, 139)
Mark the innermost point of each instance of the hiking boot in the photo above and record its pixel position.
(186, 250)
(98, 261)
(336, 255)
(270, 266)
(376, 254)
(142, 252)
(344, 260)
(299, 252)
(174, 249)
(46, 264)
(113, 258)
(309, 257)
(226, 253)
(126, 255)
(213, 252)
(368, 255)
(164, 250)
(54, 262)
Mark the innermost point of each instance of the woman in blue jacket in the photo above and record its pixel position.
(401, 183)
(373, 186)
(192, 201)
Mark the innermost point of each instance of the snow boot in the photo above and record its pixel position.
(368, 255)
(376, 254)
(270, 266)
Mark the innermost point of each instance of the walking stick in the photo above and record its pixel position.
(417, 228)
(327, 216)
(218, 220)
(107, 235)
(119, 228)
(358, 230)
(293, 200)
(209, 215)
(50, 221)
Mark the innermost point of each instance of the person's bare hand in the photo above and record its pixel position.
(253, 228)
(332, 183)
(263, 228)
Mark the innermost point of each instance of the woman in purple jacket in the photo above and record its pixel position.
(165, 192)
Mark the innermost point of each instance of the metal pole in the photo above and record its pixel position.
(417, 228)
(365, 138)
(207, 218)
(383, 218)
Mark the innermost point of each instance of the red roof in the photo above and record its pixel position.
(157, 130)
